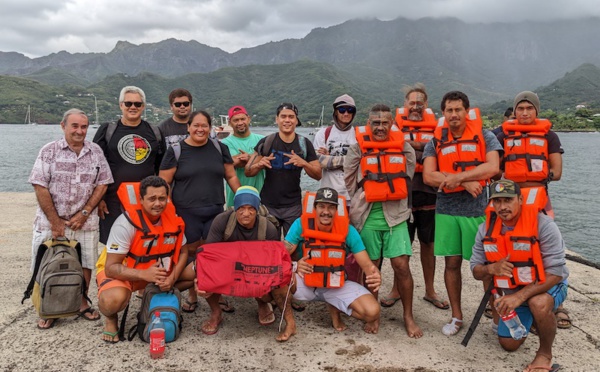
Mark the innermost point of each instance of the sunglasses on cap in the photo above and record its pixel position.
(178, 104)
(136, 104)
(350, 110)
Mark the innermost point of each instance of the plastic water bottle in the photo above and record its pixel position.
(513, 322)
(157, 337)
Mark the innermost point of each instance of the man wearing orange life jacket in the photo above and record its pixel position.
(144, 246)
(532, 152)
(522, 250)
(323, 236)
(457, 162)
(378, 171)
(418, 123)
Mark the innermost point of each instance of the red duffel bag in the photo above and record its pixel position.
(244, 268)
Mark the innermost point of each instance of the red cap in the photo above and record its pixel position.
(236, 110)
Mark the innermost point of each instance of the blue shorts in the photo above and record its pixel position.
(558, 293)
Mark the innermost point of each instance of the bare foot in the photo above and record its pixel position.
(211, 325)
(110, 333)
(289, 331)
(412, 329)
(372, 327)
(338, 322)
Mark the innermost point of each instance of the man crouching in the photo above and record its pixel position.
(323, 237)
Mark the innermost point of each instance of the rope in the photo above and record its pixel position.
(286, 301)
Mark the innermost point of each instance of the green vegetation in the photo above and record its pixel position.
(310, 85)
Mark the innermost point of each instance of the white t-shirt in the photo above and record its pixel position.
(337, 145)
(121, 235)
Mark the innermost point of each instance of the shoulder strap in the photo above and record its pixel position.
(231, 222)
(158, 136)
(262, 228)
(265, 149)
(217, 145)
(328, 132)
(176, 150)
(38, 260)
(302, 143)
(110, 130)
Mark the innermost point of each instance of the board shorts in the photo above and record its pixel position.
(394, 242)
(103, 282)
(558, 293)
(455, 235)
(340, 298)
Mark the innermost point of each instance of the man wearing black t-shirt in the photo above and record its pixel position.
(283, 156)
(132, 149)
(174, 129)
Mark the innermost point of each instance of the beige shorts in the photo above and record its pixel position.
(87, 239)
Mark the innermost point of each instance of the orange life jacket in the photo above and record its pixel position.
(522, 243)
(326, 251)
(464, 153)
(151, 243)
(383, 165)
(418, 131)
(526, 150)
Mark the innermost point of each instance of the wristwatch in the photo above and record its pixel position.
(85, 213)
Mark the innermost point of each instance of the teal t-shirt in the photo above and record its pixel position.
(246, 144)
(353, 240)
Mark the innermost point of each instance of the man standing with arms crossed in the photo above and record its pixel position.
(70, 176)
(241, 145)
(417, 122)
(458, 162)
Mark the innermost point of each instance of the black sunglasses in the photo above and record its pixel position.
(136, 104)
(343, 110)
(178, 104)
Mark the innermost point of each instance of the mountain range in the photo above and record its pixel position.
(370, 59)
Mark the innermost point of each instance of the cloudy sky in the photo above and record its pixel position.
(40, 27)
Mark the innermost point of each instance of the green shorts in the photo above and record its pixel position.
(455, 235)
(390, 243)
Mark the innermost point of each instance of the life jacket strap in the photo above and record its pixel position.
(150, 258)
(464, 164)
(327, 269)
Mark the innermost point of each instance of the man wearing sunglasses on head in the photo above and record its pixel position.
(175, 129)
(133, 148)
(332, 144)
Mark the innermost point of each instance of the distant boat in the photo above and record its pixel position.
(224, 130)
(28, 116)
(319, 123)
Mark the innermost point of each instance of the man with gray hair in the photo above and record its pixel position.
(133, 148)
(69, 177)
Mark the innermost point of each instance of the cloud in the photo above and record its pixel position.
(40, 27)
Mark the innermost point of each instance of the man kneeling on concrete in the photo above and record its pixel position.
(144, 246)
(523, 252)
(247, 225)
(323, 237)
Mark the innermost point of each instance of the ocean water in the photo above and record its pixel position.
(575, 197)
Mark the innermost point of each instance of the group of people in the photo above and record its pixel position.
(402, 174)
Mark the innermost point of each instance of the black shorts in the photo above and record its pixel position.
(423, 219)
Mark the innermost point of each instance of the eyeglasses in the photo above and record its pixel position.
(350, 110)
(136, 104)
(178, 104)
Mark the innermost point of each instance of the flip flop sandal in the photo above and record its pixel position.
(564, 321)
(192, 306)
(437, 303)
(52, 324)
(298, 306)
(488, 311)
(89, 310)
(210, 332)
(112, 336)
(386, 301)
(225, 306)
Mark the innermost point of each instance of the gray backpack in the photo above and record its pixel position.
(57, 285)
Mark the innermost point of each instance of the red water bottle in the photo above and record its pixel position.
(157, 337)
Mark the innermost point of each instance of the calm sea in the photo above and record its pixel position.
(575, 202)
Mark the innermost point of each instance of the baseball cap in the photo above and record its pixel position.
(289, 106)
(236, 110)
(327, 195)
(343, 100)
(504, 189)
